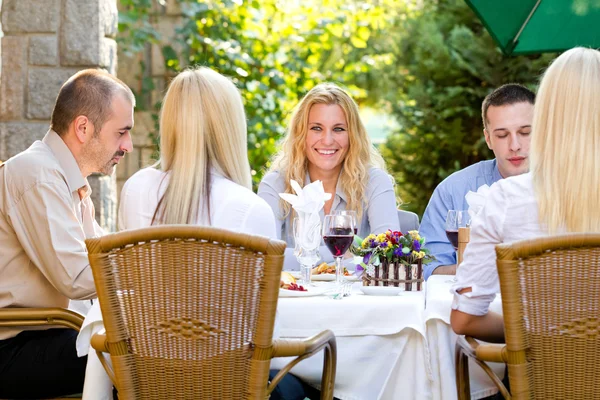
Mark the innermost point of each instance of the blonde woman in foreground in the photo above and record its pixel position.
(565, 141)
(327, 141)
(203, 175)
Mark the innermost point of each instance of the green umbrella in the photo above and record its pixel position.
(539, 26)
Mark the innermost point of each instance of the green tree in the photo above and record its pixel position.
(275, 51)
(444, 64)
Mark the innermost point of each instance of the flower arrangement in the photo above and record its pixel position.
(382, 254)
(394, 246)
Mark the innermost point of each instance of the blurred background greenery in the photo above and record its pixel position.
(419, 70)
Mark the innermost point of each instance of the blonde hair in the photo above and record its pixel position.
(565, 144)
(202, 126)
(291, 161)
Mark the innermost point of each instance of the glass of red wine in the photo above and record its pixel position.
(456, 219)
(338, 234)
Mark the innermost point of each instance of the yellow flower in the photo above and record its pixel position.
(381, 237)
(415, 254)
(421, 254)
(365, 243)
(414, 235)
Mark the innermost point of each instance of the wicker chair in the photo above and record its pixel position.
(189, 314)
(28, 317)
(551, 304)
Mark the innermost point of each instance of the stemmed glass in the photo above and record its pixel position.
(338, 234)
(306, 247)
(456, 219)
(352, 213)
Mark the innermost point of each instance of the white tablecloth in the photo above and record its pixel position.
(382, 352)
(441, 340)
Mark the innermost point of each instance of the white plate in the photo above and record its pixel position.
(311, 291)
(331, 277)
(381, 290)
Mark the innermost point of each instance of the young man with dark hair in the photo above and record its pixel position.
(45, 216)
(507, 113)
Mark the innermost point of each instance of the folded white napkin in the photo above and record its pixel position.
(476, 200)
(307, 202)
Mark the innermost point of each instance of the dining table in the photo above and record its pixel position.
(397, 346)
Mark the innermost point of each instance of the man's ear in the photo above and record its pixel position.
(83, 128)
(488, 139)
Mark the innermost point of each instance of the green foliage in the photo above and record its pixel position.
(275, 51)
(445, 63)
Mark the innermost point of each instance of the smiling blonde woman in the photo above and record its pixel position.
(203, 175)
(327, 141)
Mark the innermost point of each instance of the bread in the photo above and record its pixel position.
(286, 280)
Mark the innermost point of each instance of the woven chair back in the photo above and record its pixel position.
(551, 304)
(189, 311)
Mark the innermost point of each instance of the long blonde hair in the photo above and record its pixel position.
(202, 127)
(565, 144)
(291, 161)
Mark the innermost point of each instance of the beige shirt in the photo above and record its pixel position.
(45, 216)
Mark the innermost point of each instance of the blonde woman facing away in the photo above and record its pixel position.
(565, 141)
(327, 141)
(203, 176)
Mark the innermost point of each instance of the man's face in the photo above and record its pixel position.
(508, 136)
(106, 148)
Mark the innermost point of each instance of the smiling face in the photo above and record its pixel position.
(508, 135)
(105, 149)
(327, 140)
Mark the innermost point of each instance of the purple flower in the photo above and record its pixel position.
(384, 244)
(416, 245)
(366, 258)
(398, 252)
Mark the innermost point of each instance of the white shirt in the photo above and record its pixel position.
(510, 214)
(232, 206)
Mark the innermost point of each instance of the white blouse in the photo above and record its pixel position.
(510, 214)
(232, 206)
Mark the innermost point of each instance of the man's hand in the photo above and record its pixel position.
(445, 270)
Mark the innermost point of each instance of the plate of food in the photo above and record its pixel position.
(289, 288)
(326, 272)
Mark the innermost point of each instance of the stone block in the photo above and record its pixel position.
(28, 16)
(109, 18)
(81, 33)
(18, 136)
(144, 124)
(146, 157)
(12, 83)
(108, 55)
(104, 197)
(129, 69)
(173, 7)
(42, 90)
(43, 50)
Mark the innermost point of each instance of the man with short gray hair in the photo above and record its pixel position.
(45, 216)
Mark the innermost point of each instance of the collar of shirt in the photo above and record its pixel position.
(75, 180)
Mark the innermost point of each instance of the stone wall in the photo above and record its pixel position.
(165, 18)
(44, 43)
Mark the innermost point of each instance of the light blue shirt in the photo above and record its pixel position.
(450, 195)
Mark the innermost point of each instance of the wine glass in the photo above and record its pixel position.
(307, 239)
(338, 234)
(352, 213)
(456, 219)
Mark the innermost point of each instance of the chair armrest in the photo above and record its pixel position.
(99, 342)
(305, 348)
(483, 352)
(15, 317)
(467, 347)
(298, 347)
